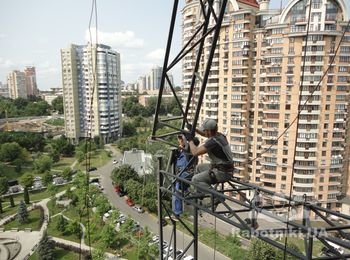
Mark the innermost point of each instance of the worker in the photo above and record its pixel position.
(220, 169)
(185, 164)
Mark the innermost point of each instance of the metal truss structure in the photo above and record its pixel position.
(242, 205)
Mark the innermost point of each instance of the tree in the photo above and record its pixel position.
(43, 164)
(57, 104)
(27, 179)
(108, 235)
(80, 156)
(45, 248)
(260, 250)
(61, 224)
(47, 178)
(134, 189)
(67, 173)
(74, 227)
(10, 152)
(22, 213)
(3, 189)
(123, 173)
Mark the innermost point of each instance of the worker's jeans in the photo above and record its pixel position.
(203, 179)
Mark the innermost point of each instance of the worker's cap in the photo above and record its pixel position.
(209, 124)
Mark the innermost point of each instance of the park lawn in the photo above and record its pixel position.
(52, 231)
(98, 158)
(299, 242)
(38, 195)
(59, 254)
(63, 163)
(9, 171)
(33, 222)
(53, 208)
(8, 211)
(55, 121)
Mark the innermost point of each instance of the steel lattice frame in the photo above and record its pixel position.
(233, 207)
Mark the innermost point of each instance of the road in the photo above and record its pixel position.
(145, 219)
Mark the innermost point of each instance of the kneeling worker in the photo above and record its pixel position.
(218, 149)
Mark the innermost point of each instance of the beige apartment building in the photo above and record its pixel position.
(256, 80)
(91, 92)
(31, 85)
(16, 82)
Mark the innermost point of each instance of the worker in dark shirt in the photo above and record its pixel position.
(218, 149)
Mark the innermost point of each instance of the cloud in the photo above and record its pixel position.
(157, 54)
(125, 39)
(6, 63)
(3, 35)
(131, 71)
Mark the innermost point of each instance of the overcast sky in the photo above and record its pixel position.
(33, 32)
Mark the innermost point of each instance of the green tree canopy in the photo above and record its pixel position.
(3, 185)
(10, 152)
(57, 104)
(43, 164)
(45, 248)
(27, 179)
(123, 173)
(22, 213)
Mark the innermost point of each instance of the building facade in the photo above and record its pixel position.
(31, 86)
(268, 90)
(16, 82)
(91, 92)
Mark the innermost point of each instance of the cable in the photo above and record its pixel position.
(297, 126)
(89, 128)
(309, 97)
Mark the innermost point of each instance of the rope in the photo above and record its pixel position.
(89, 129)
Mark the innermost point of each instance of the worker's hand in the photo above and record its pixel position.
(189, 136)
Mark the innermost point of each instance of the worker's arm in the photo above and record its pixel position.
(197, 150)
(200, 132)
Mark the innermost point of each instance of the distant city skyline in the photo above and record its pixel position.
(32, 33)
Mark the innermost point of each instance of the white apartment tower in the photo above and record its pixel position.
(91, 92)
(253, 90)
(16, 82)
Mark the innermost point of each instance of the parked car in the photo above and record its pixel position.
(115, 161)
(91, 169)
(189, 257)
(138, 208)
(121, 219)
(130, 202)
(119, 190)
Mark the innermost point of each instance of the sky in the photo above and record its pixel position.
(33, 32)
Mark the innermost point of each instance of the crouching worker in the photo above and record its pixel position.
(218, 149)
(185, 164)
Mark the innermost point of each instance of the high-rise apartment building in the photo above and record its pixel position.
(16, 82)
(31, 86)
(264, 63)
(91, 92)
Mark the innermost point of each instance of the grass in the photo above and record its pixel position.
(34, 196)
(59, 253)
(97, 159)
(299, 242)
(33, 222)
(52, 231)
(10, 172)
(55, 121)
(63, 163)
